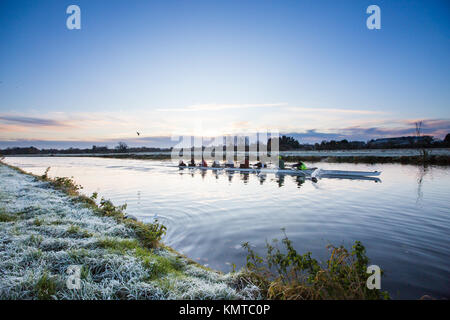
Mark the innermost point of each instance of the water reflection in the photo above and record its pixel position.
(278, 178)
(245, 176)
(139, 198)
(299, 181)
(262, 178)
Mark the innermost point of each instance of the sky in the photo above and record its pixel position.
(209, 68)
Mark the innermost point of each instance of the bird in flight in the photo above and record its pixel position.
(138, 133)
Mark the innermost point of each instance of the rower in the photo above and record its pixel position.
(229, 164)
(192, 162)
(216, 164)
(245, 165)
(204, 164)
(260, 165)
(181, 164)
(280, 163)
(300, 166)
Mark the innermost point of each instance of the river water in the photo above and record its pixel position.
(403, 220)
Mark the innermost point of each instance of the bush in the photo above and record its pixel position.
(149, 234)
(291, 276)
(65, 184)
(108, 209)
(45, 175)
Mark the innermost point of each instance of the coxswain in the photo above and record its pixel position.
(182, 164)
(300, 166)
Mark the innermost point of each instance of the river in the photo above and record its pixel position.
(403, 220)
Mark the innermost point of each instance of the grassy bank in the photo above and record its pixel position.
(46, 226)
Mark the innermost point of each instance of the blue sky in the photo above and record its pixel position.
(220, 67)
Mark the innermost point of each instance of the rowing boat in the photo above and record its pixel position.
(331, 173)
(308, 172)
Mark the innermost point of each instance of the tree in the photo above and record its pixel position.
(285, 143)
(419, 142)
(122, 147)
(447, 139)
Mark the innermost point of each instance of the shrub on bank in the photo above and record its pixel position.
(292, 276)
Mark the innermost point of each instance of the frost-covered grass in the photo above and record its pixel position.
(44, 230)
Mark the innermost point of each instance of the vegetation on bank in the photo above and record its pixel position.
(288, 275)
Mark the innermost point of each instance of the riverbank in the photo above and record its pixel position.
(438, 160)
(46, 226)
(438, 157)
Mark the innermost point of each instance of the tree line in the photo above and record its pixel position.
(121, 147)
(285, 143)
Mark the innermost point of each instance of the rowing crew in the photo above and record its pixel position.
(246, 165)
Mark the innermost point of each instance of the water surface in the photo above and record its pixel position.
(403, 220)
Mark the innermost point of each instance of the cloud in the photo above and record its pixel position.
(307, 124)
(157, 142)
(333, 110)
(285, 106)
(312, 136)
(31, 121)
(217, 107)
(434, 127)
